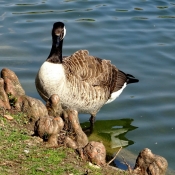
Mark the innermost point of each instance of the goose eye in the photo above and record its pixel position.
(61, 33)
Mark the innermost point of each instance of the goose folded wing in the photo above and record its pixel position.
(94, 71)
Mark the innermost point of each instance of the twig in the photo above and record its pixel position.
(114, 156)
(129, 167)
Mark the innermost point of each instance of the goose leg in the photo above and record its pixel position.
(92, 120)
(89, 130)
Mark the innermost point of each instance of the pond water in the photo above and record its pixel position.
(138, 36)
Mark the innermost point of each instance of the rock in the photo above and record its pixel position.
(4, 102)
(148, 163)
(80, 137)
(70, 143)
(95, 152)
(49, 127)
(33, 107)
(26, 151)
(11, 83)
(74, 138)
(53, 106)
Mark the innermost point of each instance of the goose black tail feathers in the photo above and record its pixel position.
(130, 78)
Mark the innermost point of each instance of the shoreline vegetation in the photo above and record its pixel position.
(45, 139)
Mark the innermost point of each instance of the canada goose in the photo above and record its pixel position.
(83, 82)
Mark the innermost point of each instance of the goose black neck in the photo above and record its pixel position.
(55, 55)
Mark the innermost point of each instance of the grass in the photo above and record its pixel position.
(23, 154)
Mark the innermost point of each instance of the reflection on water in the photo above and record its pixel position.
(26, 4)
(111, 133)
(162, 7)
(121, 10)
(137, 8)
(166, 17)
(87, 20)
(33, 12)
(139, 18)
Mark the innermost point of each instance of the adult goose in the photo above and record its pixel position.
(84, 83)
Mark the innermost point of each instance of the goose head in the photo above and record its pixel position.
(58, 34)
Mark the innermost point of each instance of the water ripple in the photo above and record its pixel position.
(87, 20)
(29, 4)
(167, 17)
(33, 12)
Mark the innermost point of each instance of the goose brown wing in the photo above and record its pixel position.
(94, 71)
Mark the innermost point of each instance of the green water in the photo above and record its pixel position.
(138, 36)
